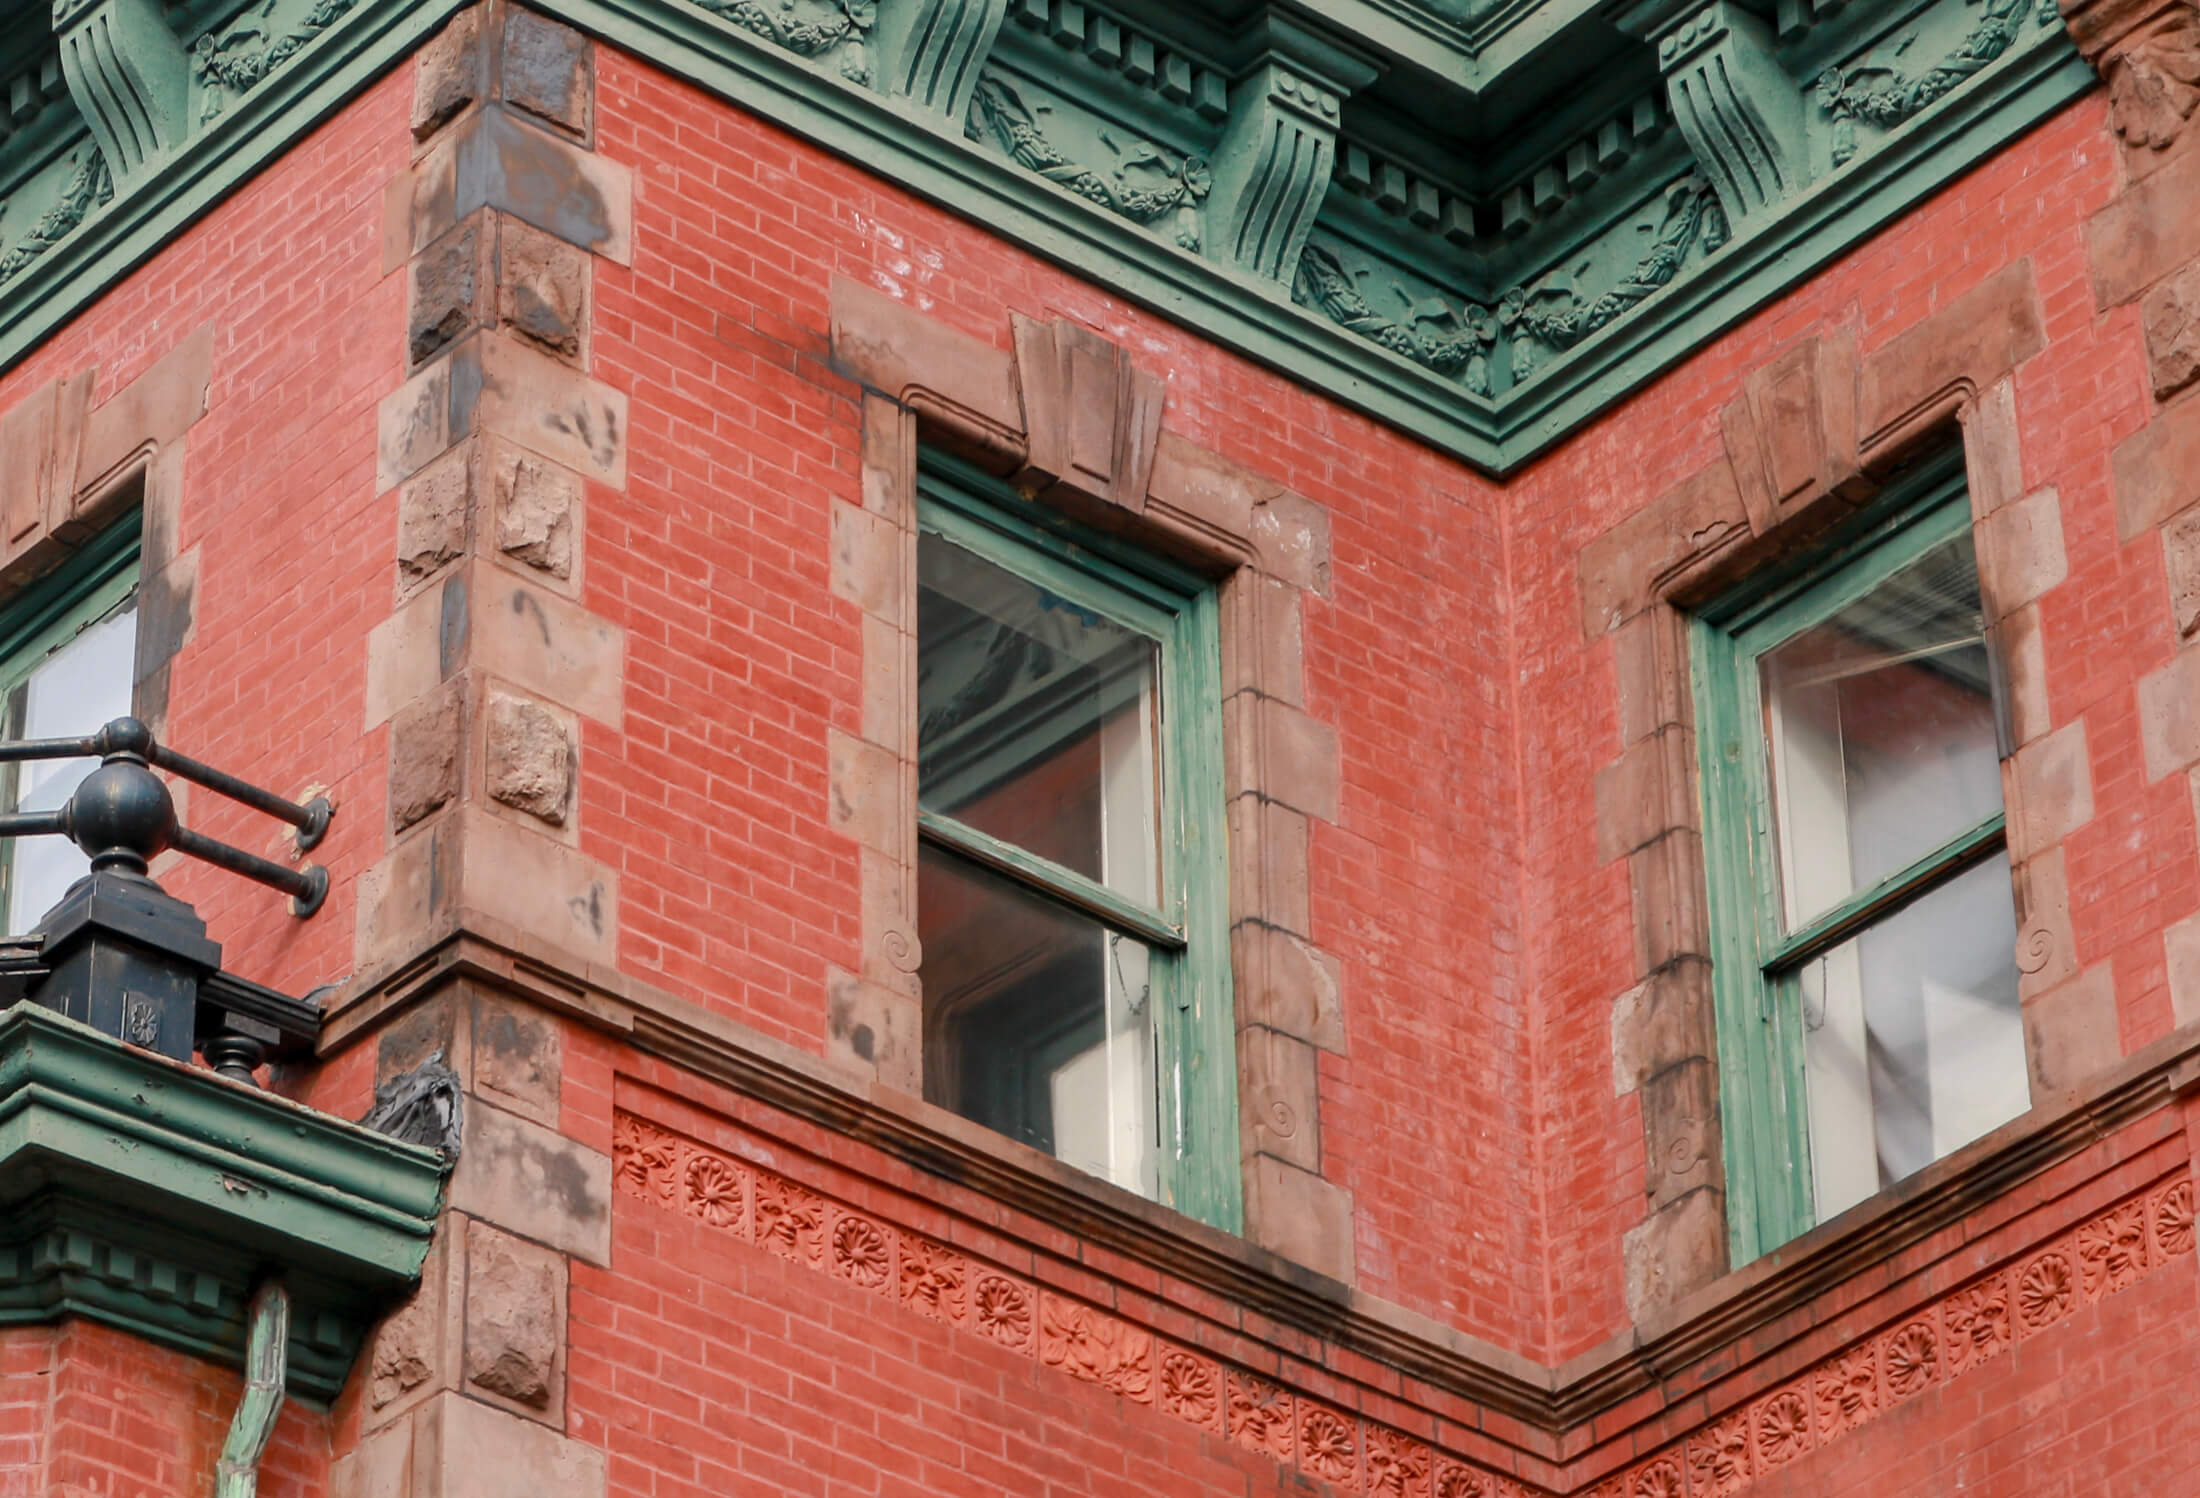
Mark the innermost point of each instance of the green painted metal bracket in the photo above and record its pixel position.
(153, 1196)
(1491, 373)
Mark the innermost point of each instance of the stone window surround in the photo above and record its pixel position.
(1810, 436)
(1067, 417)
(87, 467)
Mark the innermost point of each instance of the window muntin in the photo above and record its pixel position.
(68, 658)
(1864, 930)
(1070, 893)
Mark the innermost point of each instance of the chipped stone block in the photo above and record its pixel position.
(530, 765)
(2170, 314)
(518, 1056)
(1649, 791)
(1299, 1215)
(549, 70)
(1287, 984)
(1679, 1248)
(412, 1353)
(1663, 1021)
(427, 747)
(543, 290)
(537, 508)
(1292, 535)
(448, 76)
(1667, 880)
(433, 516)
(535, 1182)
(515, 1318)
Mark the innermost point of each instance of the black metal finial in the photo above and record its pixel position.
(121, 815)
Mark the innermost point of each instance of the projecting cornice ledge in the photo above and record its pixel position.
(1259, 185)
(152, 1196)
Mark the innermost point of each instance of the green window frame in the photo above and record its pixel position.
(1187, 928)
(1756, 962)
(93, 584)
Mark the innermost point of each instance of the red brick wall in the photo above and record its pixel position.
(85, 1409)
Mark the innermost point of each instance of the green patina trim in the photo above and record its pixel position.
(736, 57)
(152, 1196)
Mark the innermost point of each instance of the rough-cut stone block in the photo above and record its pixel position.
(1279, 1099)
(1286, 983)
(2148, 232)
(1291, 534)
(543, 290)
(2020, 552)
(1661, 1022)
(530, 757)
(414, 1352)
(427, 747)
(515, 1319)
(2181, 949)
(2052, 790)
(1648, 792)
(463, 1448)
(1966, 346)
(450, 280)
(2169, 715)
(1299, 1215)
(2181, 556)
(434, 513)
(549, 70)
(448, 75)
(1679, 1248)
(518, 1057)
(535, 1182)
(2171, 316)
(2070, 1032)
(1621, 569)
(546, 645)
(2047, 943)
(875, 1030)
(538, 512)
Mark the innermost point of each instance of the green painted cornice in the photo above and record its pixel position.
(151, 1196)
(1483, 242)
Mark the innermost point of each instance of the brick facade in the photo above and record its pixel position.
(558, 533)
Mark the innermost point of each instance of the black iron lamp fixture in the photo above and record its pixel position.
(120, 953)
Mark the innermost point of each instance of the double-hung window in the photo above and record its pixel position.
(68, 657)
(1070, 885)
(1863, 925)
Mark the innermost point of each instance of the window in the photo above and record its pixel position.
(68, 658)
(1863, 925)
(1070, 884)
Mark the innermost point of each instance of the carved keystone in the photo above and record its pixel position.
(1271, 168)
(1791, 433)
(1092, 419)
(127, 74)
(1740, 112)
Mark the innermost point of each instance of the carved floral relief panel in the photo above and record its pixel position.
(1901, 1361)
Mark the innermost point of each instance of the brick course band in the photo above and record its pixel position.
(1961, 1331)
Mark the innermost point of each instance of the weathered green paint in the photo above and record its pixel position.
(1754, 961)
(128, 74)
(1236, 287)
(1191, 966)
(152, 1196)
(1067, 885)
(1739, 109)
(237, 1472)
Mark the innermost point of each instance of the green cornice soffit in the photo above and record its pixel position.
(1480, 221)
(151, 1196)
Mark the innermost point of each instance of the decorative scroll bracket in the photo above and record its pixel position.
(930, 51)
(128, 74)
(1271, 169)
(1739, 110)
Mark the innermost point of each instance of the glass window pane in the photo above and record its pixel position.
(1037, 1022)
(73, 691)
(1881, 727)
(1036, 719)
(1913, 1044)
